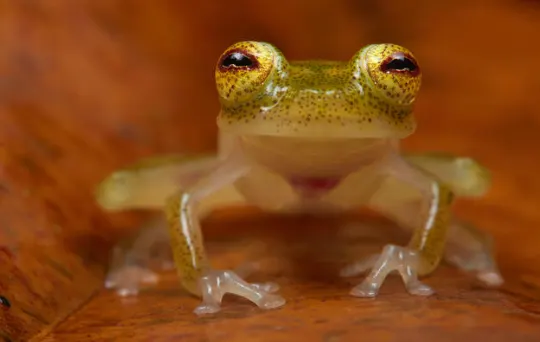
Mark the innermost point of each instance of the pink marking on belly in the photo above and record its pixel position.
(313, 186)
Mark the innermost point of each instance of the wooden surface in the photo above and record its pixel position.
(88, 86)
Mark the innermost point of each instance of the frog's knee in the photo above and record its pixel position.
(114, 192)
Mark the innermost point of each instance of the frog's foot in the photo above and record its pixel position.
(480, 263)
(130, 270)
(128, 279)
(393, 258)
(215, 284)
(472, 250)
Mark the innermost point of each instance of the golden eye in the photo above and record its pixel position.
(393, 72)
(243, 69)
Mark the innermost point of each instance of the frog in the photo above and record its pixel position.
(316, 137)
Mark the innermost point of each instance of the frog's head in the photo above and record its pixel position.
(370, 96)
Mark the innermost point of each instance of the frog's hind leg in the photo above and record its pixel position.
(465, 176)
(471, 250)
(146, 185)
(135, 259)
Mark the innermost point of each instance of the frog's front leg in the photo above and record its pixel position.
(196, 274)
(468, 248)
(146, 185)
(430, 219)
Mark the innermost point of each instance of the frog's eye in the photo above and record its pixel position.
(392, 71)
(243, 69)
(238, 59)
(399, 62)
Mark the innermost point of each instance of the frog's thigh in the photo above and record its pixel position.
(465, 176)
(148, 184)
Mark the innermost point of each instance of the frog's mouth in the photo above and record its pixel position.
(312, 126)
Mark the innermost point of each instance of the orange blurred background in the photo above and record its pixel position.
(88, 86)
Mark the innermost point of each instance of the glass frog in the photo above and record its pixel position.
(306, 136)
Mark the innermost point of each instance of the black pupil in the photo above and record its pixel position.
(237, 59)
(401, 64)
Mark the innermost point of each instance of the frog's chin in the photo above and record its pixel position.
(348, 129)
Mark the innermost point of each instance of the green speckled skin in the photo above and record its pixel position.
(317, 137)
(317, 98)
(184, 250)
(430, 243)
